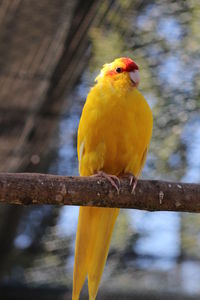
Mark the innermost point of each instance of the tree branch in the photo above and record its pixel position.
(152, 195)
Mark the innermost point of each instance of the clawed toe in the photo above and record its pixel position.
(132, 182)
(111, 179)
(115, 181)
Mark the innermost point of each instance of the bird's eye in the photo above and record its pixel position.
(119, 70)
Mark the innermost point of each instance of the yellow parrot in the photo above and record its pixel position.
(113, 138)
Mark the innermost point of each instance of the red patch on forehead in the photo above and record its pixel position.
(130, 64)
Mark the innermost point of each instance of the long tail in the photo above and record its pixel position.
(93, 237)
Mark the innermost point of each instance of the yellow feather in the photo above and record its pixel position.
(114, 133)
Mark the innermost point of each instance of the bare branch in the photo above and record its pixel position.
(152, 195)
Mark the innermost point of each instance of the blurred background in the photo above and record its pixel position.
(50, 53)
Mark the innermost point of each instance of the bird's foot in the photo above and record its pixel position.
(132, 181)
(110, 178)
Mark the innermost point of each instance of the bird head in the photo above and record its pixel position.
(121, 71)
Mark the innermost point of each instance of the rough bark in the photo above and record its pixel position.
(152, 195)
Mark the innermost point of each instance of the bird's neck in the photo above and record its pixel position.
(116, 88)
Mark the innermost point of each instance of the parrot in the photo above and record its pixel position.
(113, 138)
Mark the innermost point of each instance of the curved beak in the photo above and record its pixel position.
(135, 77)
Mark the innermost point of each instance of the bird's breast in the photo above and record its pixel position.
(115, 131)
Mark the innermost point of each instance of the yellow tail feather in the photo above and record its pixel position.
(94, 233)
(81, 249)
